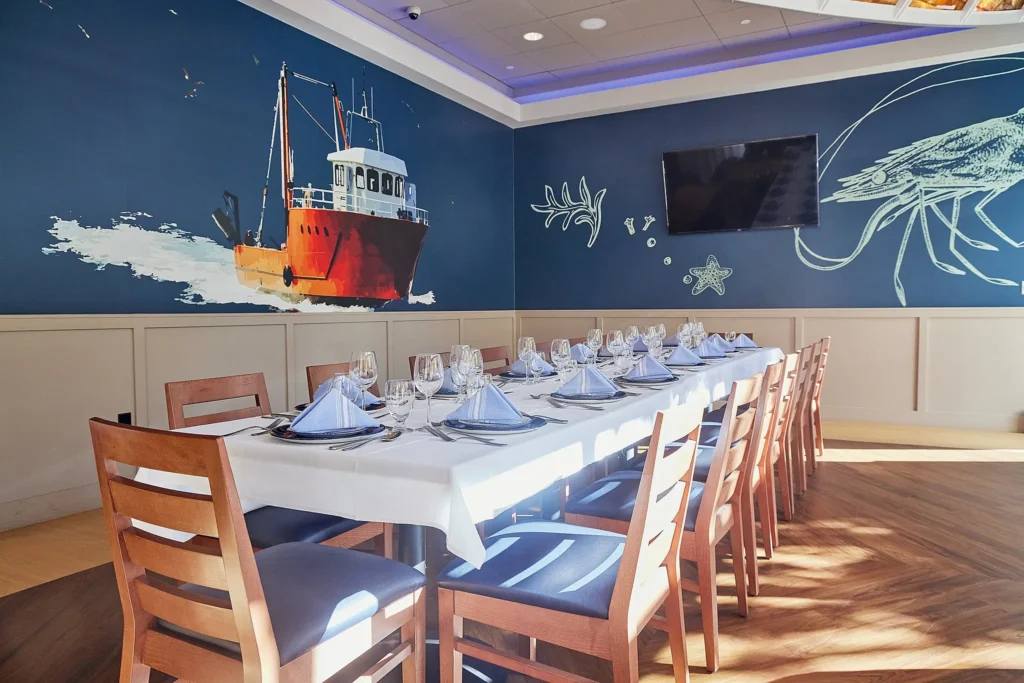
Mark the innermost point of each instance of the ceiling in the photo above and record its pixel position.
(485, 37)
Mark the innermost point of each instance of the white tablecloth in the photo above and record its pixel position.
(419, 479)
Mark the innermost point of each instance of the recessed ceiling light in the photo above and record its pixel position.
(533, 36)
(745, 22)
(593, 23)
(509, 67)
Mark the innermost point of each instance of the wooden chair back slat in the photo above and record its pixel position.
(799, 383)
(197, 391)
(229, 566)
(787, 385)
(497, 354)
(201, 614)
(765, 417)
(826, 343)
(545, 348)
(724, 477)
(655, 531)
(187, 563)
(191, 512)
(446, 360)
(750, 335)
(318, 374)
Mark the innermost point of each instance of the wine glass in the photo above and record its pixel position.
(661, 331)
(701, 333)
(539, 361)
(595, 339)
(527, 349)
(632, 335)
(399, 396)
(473, 368)
(730, 336)
(615, 342)
(561, 353)
(363, 371)
(565, 371)
(428, 376)
(454, 362)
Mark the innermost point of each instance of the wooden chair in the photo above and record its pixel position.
(778, 447)
(815, 401)
(720, 513)
(318, 374)
(284, 615)
(572, 590)
(446, 360)
(497, 354)
(270, 525)
(797, 431)
(750, 335)
(807, 416)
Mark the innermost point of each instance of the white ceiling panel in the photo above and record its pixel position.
(679, 33)
(442, 25)
(649, 12)
(554, 8)
(746, 19)
(617, 23)
(562, 56)
(553, 35)
(627, 44)
(494, 14)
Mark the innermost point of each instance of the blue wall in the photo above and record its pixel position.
(93, 127)
(622, 153)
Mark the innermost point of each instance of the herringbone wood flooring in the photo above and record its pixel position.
(902, 565)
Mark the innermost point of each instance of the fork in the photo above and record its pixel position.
(559, 404)
(555, 420)
(450, 439)
(351, 446)
(263, 430)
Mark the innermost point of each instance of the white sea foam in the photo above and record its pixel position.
(205, 269)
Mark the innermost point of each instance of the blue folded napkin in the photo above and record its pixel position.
(351, 391)
(640, 346)
(519, 368)
(683, 356)
(331, 412)
(719, 341)
(603, 352)
(448, 385)
(744, 342)
(488, 405)
(588, 382)
(672, 341)
(707, 349)
(649, 368)
(581, 353)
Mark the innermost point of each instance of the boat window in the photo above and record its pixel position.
(399, 186)
(339, 175)
(327, 233)
(302, 228)
(372, 180)
(387, 183)
(317, 228)
(360, 179)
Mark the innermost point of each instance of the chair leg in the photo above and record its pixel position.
(625, 662)
(736, 539)
(799, 461)
(709, 603)
(449, 627)
(767, 518)
(414, 668)
(812, 461)
(786, 479)
(384, 545)
(132, 670)
(748, 533)
(819, 435)
(773, 508)
(677, 633)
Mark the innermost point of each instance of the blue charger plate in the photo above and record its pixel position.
(471, 426)
(285, 433)
(642, 380)
(590, 398)
(509, 375)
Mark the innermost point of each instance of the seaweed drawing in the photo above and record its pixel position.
(586, 211)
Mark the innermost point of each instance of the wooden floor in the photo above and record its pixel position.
(903, 564)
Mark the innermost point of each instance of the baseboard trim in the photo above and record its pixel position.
(939, 437)
(26, 511)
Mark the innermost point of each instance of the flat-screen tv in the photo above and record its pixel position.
(746, 186)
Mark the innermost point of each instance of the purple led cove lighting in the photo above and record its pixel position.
(782, 55)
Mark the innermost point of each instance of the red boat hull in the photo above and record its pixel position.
(336, 257)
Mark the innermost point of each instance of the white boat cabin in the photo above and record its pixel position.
(372, 182)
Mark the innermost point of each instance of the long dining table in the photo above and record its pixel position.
(421, 480)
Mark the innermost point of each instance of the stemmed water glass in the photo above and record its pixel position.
(632, 335)
(399, 396)
(473, 369)
(538, 365)
(730, 336)
(565, 371)
(595, 338)
(527, 349)
(362, 370)
(428, 376)
(615, 343)
(456, 365)
(561, 352)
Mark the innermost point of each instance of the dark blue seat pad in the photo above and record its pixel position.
(614, 496)
(545, 564)
(269, 526)
(314, 592)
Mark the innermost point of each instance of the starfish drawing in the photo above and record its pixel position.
(711, 275)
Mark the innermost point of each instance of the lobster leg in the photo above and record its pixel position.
(980, 210)
(922, 209)
(954, 233)
(900, 292)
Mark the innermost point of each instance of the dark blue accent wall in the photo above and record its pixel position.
(92, 127)
(622, 153)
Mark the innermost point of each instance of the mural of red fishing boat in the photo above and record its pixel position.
(355, 243)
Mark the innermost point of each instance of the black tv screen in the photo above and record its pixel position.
(746, 186)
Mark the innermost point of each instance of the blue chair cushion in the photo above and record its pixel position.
(614, 497)
(702, 464)
(315, 592)
(545, 564)
(269, 526)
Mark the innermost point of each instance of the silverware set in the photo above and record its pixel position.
(352, 445)
(436, 431)
(562, 405)
(263, 430)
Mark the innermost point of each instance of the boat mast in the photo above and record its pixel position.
(341, 119)
(286, 149)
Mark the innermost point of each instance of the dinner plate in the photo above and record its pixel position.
(685, 365)
(380, 406)
(590, 398)
(522, 378)
(648, 382)
(285, 433)
(528, 425)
